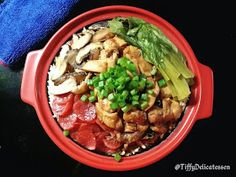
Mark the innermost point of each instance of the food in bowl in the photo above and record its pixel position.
(119, 87)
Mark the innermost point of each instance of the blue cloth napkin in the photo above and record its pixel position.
(25, 24)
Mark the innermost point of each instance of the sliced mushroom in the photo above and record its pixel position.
(152, 97)
(64, 87)
(64, 49)
(84, 52)
(98, 25)
(95, 66)
(102, 35)
(79, 42)
(71, 56)
(60, 68)
(82, 87)
(79, 76)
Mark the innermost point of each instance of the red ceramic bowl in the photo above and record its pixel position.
(34, 92)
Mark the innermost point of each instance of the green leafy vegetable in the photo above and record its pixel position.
(158, 50)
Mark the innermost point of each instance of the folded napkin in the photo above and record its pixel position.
(26, 24)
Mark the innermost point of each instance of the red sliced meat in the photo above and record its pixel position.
(62, 104)
(101, 145)
(85, 136)
(112, 143)
(69, 122)
(85, 111)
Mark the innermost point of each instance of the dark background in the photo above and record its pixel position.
(26, 150)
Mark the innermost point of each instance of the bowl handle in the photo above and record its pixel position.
(207, 92)
(28, 79)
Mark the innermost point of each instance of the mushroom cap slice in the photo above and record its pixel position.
(60, 69)
(64, 87)
(80, 42)
(102, 35)
(64, 50)
(84, 52)
(71, 56)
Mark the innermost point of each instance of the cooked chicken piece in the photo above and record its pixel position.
(142, 128)
(94, 54)
(135, 55)
(135, 116)
(161, 129)
(120, 42)
(130, 54)
(102, 35)
(95, 66)
(111, 61)
(64, 87)
(165, 92)
(171, 111)
(82, 87)
(105, 105)
(80, 42)
(110, 45)
(84, 52)
(176, 109)
(130, 137)
(60, 68)
(130, 127)
(103, 55)
(155, 115)
(119, 125)
(152, 97)
(164, 119)
(109, 119)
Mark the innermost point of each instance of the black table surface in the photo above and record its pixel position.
(26, 150)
